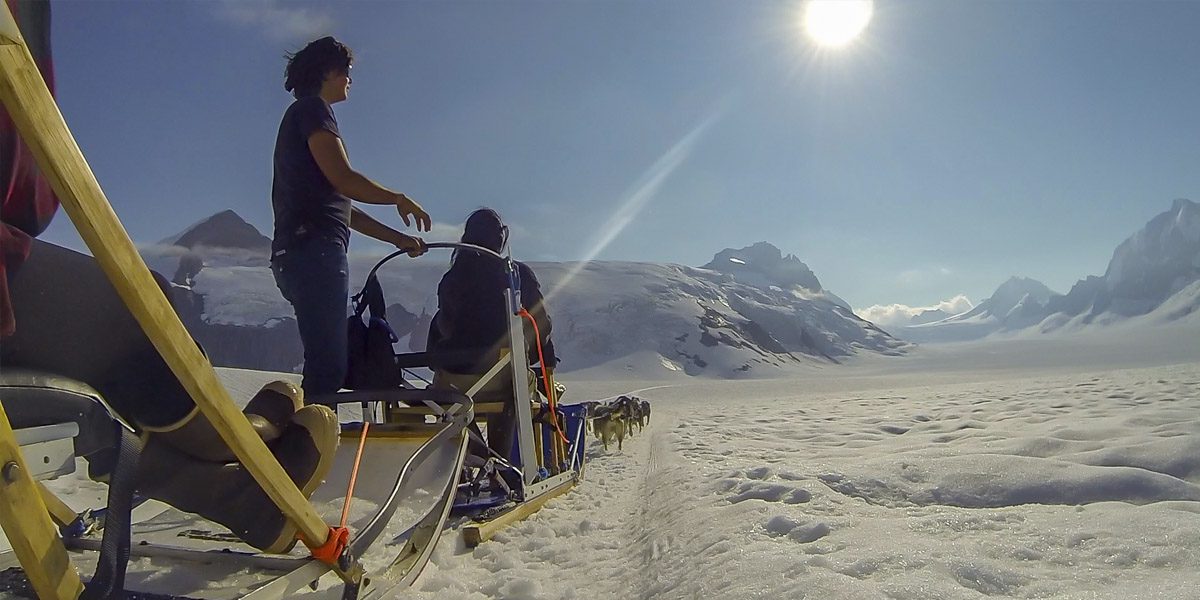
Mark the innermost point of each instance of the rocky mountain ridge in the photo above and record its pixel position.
(749, 312)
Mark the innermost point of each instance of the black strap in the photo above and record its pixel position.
(371, 296)
(109, 581)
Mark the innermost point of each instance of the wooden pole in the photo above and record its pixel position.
(537, 444)
(27, 524)
(43, 129)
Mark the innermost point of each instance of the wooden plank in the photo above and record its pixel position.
(59, 511)
(27, 524)
(474, 535)
(537, 445)
(43, 129)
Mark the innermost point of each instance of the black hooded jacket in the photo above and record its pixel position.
(471, 318)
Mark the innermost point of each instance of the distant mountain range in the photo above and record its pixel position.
(1153, 276)
(749, 312)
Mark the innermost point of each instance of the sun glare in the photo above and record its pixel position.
(834, 23)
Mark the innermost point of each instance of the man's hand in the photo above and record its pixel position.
(408, 208)
(415, 246)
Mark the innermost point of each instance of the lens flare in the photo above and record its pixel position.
(639, 196)
(835, 23)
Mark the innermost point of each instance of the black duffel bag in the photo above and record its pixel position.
(371, 361)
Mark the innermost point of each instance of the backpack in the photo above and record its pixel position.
(371, 361)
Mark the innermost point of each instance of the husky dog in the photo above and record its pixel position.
(610, 423)
(589, 413)
(626, 407)
(640, 409)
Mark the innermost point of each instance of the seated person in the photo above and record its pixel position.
(472, 321)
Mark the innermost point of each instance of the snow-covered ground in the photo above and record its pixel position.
(1029, 468)
(1026, 471)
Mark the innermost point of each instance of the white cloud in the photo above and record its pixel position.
(279, 19)
(898, 315)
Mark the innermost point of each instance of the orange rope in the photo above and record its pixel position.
(550, 391)
(362, 441)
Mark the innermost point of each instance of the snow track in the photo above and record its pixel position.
(613, 531)
(1071, 485)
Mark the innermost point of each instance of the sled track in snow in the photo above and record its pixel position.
(659, 507)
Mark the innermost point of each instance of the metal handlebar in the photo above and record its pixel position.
(451, 245)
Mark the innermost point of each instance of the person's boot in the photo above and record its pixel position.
(276, 403)
(269, 412)
(227, 493)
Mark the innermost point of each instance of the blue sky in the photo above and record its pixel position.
(953, 145)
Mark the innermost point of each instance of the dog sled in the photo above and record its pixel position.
(412, 442)
(546, 457)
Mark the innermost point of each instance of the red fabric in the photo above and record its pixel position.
(27, 203)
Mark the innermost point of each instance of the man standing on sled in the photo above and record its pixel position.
(311, 195)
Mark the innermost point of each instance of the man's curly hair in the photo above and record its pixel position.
(306, 69)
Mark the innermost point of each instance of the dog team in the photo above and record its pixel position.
(617, 418)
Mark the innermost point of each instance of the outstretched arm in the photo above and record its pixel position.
(330, 155)
(366, 225)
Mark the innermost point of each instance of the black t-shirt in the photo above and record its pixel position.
(304, 201)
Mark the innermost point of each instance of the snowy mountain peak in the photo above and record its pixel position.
(1153, 276)
(223, 230)
(1019, 296)
(1162, 257)
(1017, 291)
(928, 316)
(1181, 205)
(1017, 288)
(763, 263)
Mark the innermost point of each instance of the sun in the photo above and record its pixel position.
(835, 23)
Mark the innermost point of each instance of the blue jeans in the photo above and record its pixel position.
(314, 277)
